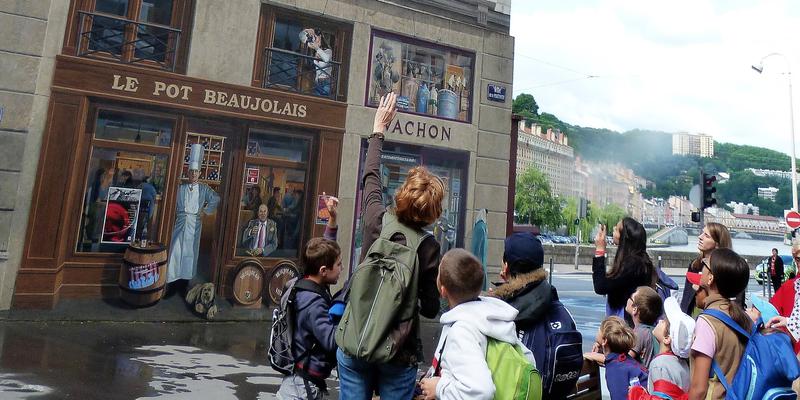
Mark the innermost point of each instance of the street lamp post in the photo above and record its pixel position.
(760, 68)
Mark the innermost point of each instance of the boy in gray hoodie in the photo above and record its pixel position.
(459, 369)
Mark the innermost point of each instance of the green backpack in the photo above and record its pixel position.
(382, 296)
(514, 377)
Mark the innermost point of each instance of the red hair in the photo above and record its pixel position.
(419, 201)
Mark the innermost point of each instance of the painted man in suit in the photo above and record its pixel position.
(260, 237)
(194, 200)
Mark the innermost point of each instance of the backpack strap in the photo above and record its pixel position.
(721, 376)
(391, 226)
(311, 286)
(727, 320)
(438, 370)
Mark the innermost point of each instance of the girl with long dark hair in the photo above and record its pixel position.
(723, 276)
(632, 266)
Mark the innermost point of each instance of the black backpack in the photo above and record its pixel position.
(557, 347)
(284, 321)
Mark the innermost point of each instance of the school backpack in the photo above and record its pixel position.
(665, 285)
(284, 319)
(514, 377)
(382, 296)
(662, 390)
(768, 363)
(557, 346)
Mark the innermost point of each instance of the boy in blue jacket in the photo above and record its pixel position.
(313, 344)
(615, 339)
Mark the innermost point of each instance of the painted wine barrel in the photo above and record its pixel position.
(143, 275)
(448, 104)
(248, 282)
(282, 272)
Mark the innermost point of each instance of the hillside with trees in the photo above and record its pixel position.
(649, 155)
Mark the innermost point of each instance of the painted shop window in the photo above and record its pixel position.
(273, 208)
(130, 31)
(450, 166)
(123, 197)
(125, 179)
(132, 128)
(431, 80)
(303, 53)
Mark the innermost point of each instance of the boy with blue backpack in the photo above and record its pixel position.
(543, 323)
(479, 355)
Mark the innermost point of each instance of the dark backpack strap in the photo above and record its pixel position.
(438, 370)
(311, 286)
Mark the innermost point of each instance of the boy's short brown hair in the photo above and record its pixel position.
(418, 202)
(649, 305)
(317, 253)
(619, 337)
(461, 274)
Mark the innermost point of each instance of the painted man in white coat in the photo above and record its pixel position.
(194, 200)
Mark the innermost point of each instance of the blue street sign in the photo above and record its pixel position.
(496, 92)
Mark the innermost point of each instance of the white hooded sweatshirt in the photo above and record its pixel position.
(464, 372)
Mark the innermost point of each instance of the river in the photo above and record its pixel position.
(741, 246)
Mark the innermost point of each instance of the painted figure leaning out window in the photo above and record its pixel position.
(322, 60)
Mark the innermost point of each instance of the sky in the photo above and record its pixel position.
(676, 66)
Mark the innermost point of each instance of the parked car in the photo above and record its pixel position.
(789, 269)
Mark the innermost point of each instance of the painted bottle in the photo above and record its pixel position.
(423, 94)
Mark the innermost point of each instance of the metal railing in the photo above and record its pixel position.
(288, 70)
(127, 41)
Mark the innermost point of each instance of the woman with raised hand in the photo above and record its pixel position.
(417, 204)
(632, 266)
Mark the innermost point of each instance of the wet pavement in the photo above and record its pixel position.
(111, 360)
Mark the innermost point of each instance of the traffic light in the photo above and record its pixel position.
(709, 190)
(582, 208)
(588, 210)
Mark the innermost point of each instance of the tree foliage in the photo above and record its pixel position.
(534, 203)
(525, 105)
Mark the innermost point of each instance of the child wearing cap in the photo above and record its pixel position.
(674, 334)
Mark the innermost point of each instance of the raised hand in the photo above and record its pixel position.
(332, 204)
(386, 112)
(600, 239)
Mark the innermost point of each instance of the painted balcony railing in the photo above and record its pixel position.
(112, 37)
(287, 70)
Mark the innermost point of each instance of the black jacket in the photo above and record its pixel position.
(635, 272)
(778, 268)
(531, 294)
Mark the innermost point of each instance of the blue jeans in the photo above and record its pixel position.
(323, 88)
(357, 379)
